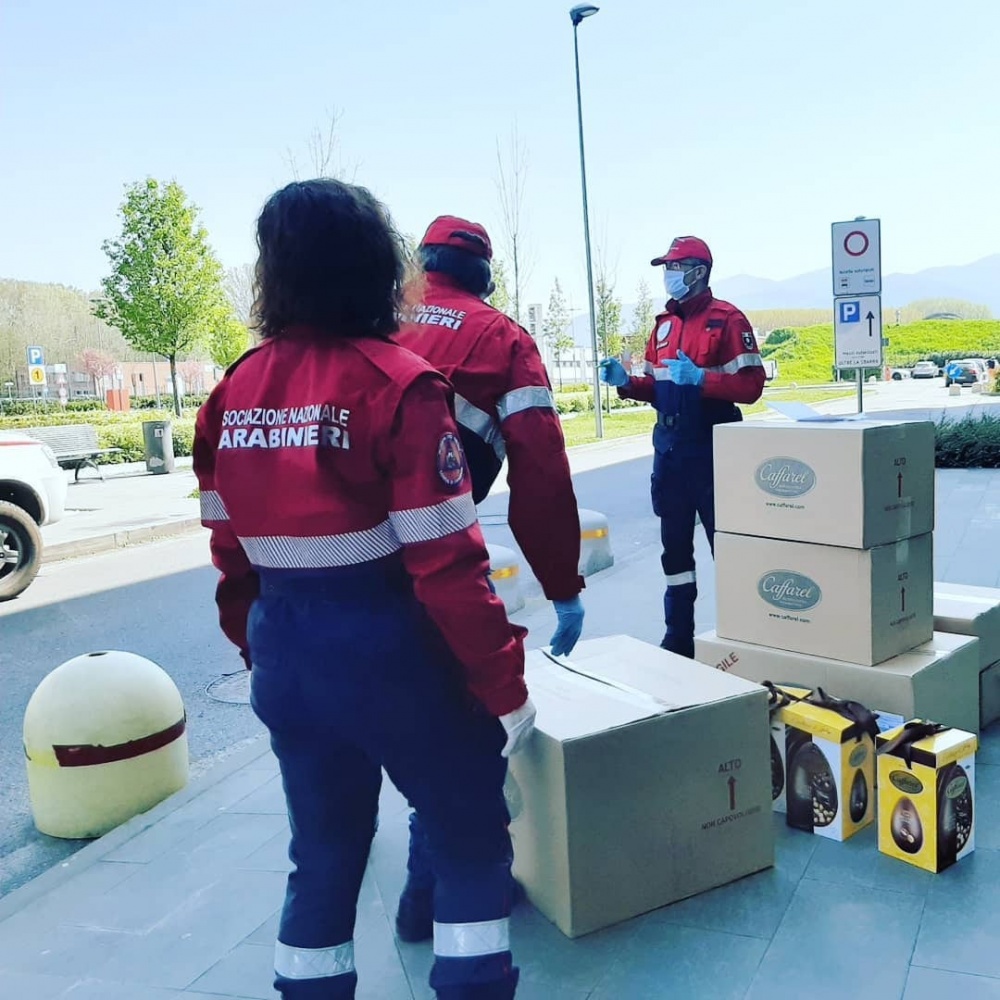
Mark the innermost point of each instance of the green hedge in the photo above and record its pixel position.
(114, 430)
(166, 400)
(805, 355)
(583, 402)
(971, 443)
(941, 340)
(46, 408)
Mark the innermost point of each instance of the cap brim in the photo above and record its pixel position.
(657, 261)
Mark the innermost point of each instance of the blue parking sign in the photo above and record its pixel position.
(36, 356)
(850, 312)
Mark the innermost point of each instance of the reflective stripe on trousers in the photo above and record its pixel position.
(350, 676)
(681, 488)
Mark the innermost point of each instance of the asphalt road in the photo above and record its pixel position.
(158, 601)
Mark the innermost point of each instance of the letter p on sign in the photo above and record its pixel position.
(850, 312)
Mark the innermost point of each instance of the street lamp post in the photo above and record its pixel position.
(577, 14)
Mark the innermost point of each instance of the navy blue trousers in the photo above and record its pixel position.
(350, 676)
(682, 487)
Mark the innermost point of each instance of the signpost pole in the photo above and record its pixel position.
(857, 298)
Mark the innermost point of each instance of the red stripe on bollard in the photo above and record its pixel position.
(86, 755)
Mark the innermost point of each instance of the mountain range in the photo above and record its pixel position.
(978, 282)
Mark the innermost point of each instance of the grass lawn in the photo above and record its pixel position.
(628, 423)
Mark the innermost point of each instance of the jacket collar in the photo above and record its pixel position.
(690, 307)
(436, 281)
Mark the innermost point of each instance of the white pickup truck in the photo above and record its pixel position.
(32, 494)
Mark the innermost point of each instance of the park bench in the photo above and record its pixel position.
(74, 445)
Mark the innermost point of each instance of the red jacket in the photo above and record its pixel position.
(716, 336)
(504, 408)
(315, 454)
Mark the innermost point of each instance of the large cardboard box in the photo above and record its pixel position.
(975, 611)
(859, 605)
(647, 780)
(853, 483)
(938, 680)
(926, 796)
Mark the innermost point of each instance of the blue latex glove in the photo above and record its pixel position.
(612, 372)
(570, 615)
(683, 371)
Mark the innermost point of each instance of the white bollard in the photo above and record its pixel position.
(505, 574)
(105, 739)
(954, 390)
(595, 543)
(977, 388)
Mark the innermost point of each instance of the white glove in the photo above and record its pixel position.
(519, 725)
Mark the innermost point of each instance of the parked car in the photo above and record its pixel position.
(924, 369)
(962, 373)
(981, 366)
(32, 494)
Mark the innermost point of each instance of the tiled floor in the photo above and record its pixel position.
(188, 908)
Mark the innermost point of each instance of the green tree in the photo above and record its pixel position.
(555, 328)
(642, 321)
(609, 317)
(511, 178)
(165, 286)
(229, 340)
(500, 299)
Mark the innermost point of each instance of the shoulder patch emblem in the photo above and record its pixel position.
(748, 342)
(451, 461)
(662, 332)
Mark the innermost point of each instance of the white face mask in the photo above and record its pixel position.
(673, 282)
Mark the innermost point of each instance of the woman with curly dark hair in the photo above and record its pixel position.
(354, 581)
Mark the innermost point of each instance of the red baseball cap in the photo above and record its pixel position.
(684, 248)
(451, 231)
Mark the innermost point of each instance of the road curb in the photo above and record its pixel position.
(96, 544)
(98, 849)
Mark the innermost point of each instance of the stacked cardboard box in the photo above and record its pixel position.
(824, 543)
(974, 611)
(938, 680)
(824, 566)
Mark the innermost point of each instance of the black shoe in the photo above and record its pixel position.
(415, 916)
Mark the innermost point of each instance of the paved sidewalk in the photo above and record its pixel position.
(133, 506)
(182, 902)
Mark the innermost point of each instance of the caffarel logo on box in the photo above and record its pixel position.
(789, 591)
(785, 477)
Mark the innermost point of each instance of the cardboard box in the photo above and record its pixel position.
(970, 611)
(858, 605)
(852, 483)
(938, 680)
(926, 799)
(647, 780)
(830, 771)
(975, 611)
(989, 695)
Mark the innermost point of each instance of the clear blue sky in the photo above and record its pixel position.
(753, 125)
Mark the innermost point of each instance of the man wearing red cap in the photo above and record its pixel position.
(504, 410)
(701, 360)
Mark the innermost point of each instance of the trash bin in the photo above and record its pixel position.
(158, 440)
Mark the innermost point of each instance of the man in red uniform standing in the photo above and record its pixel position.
(701, 360)
(504, 409)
